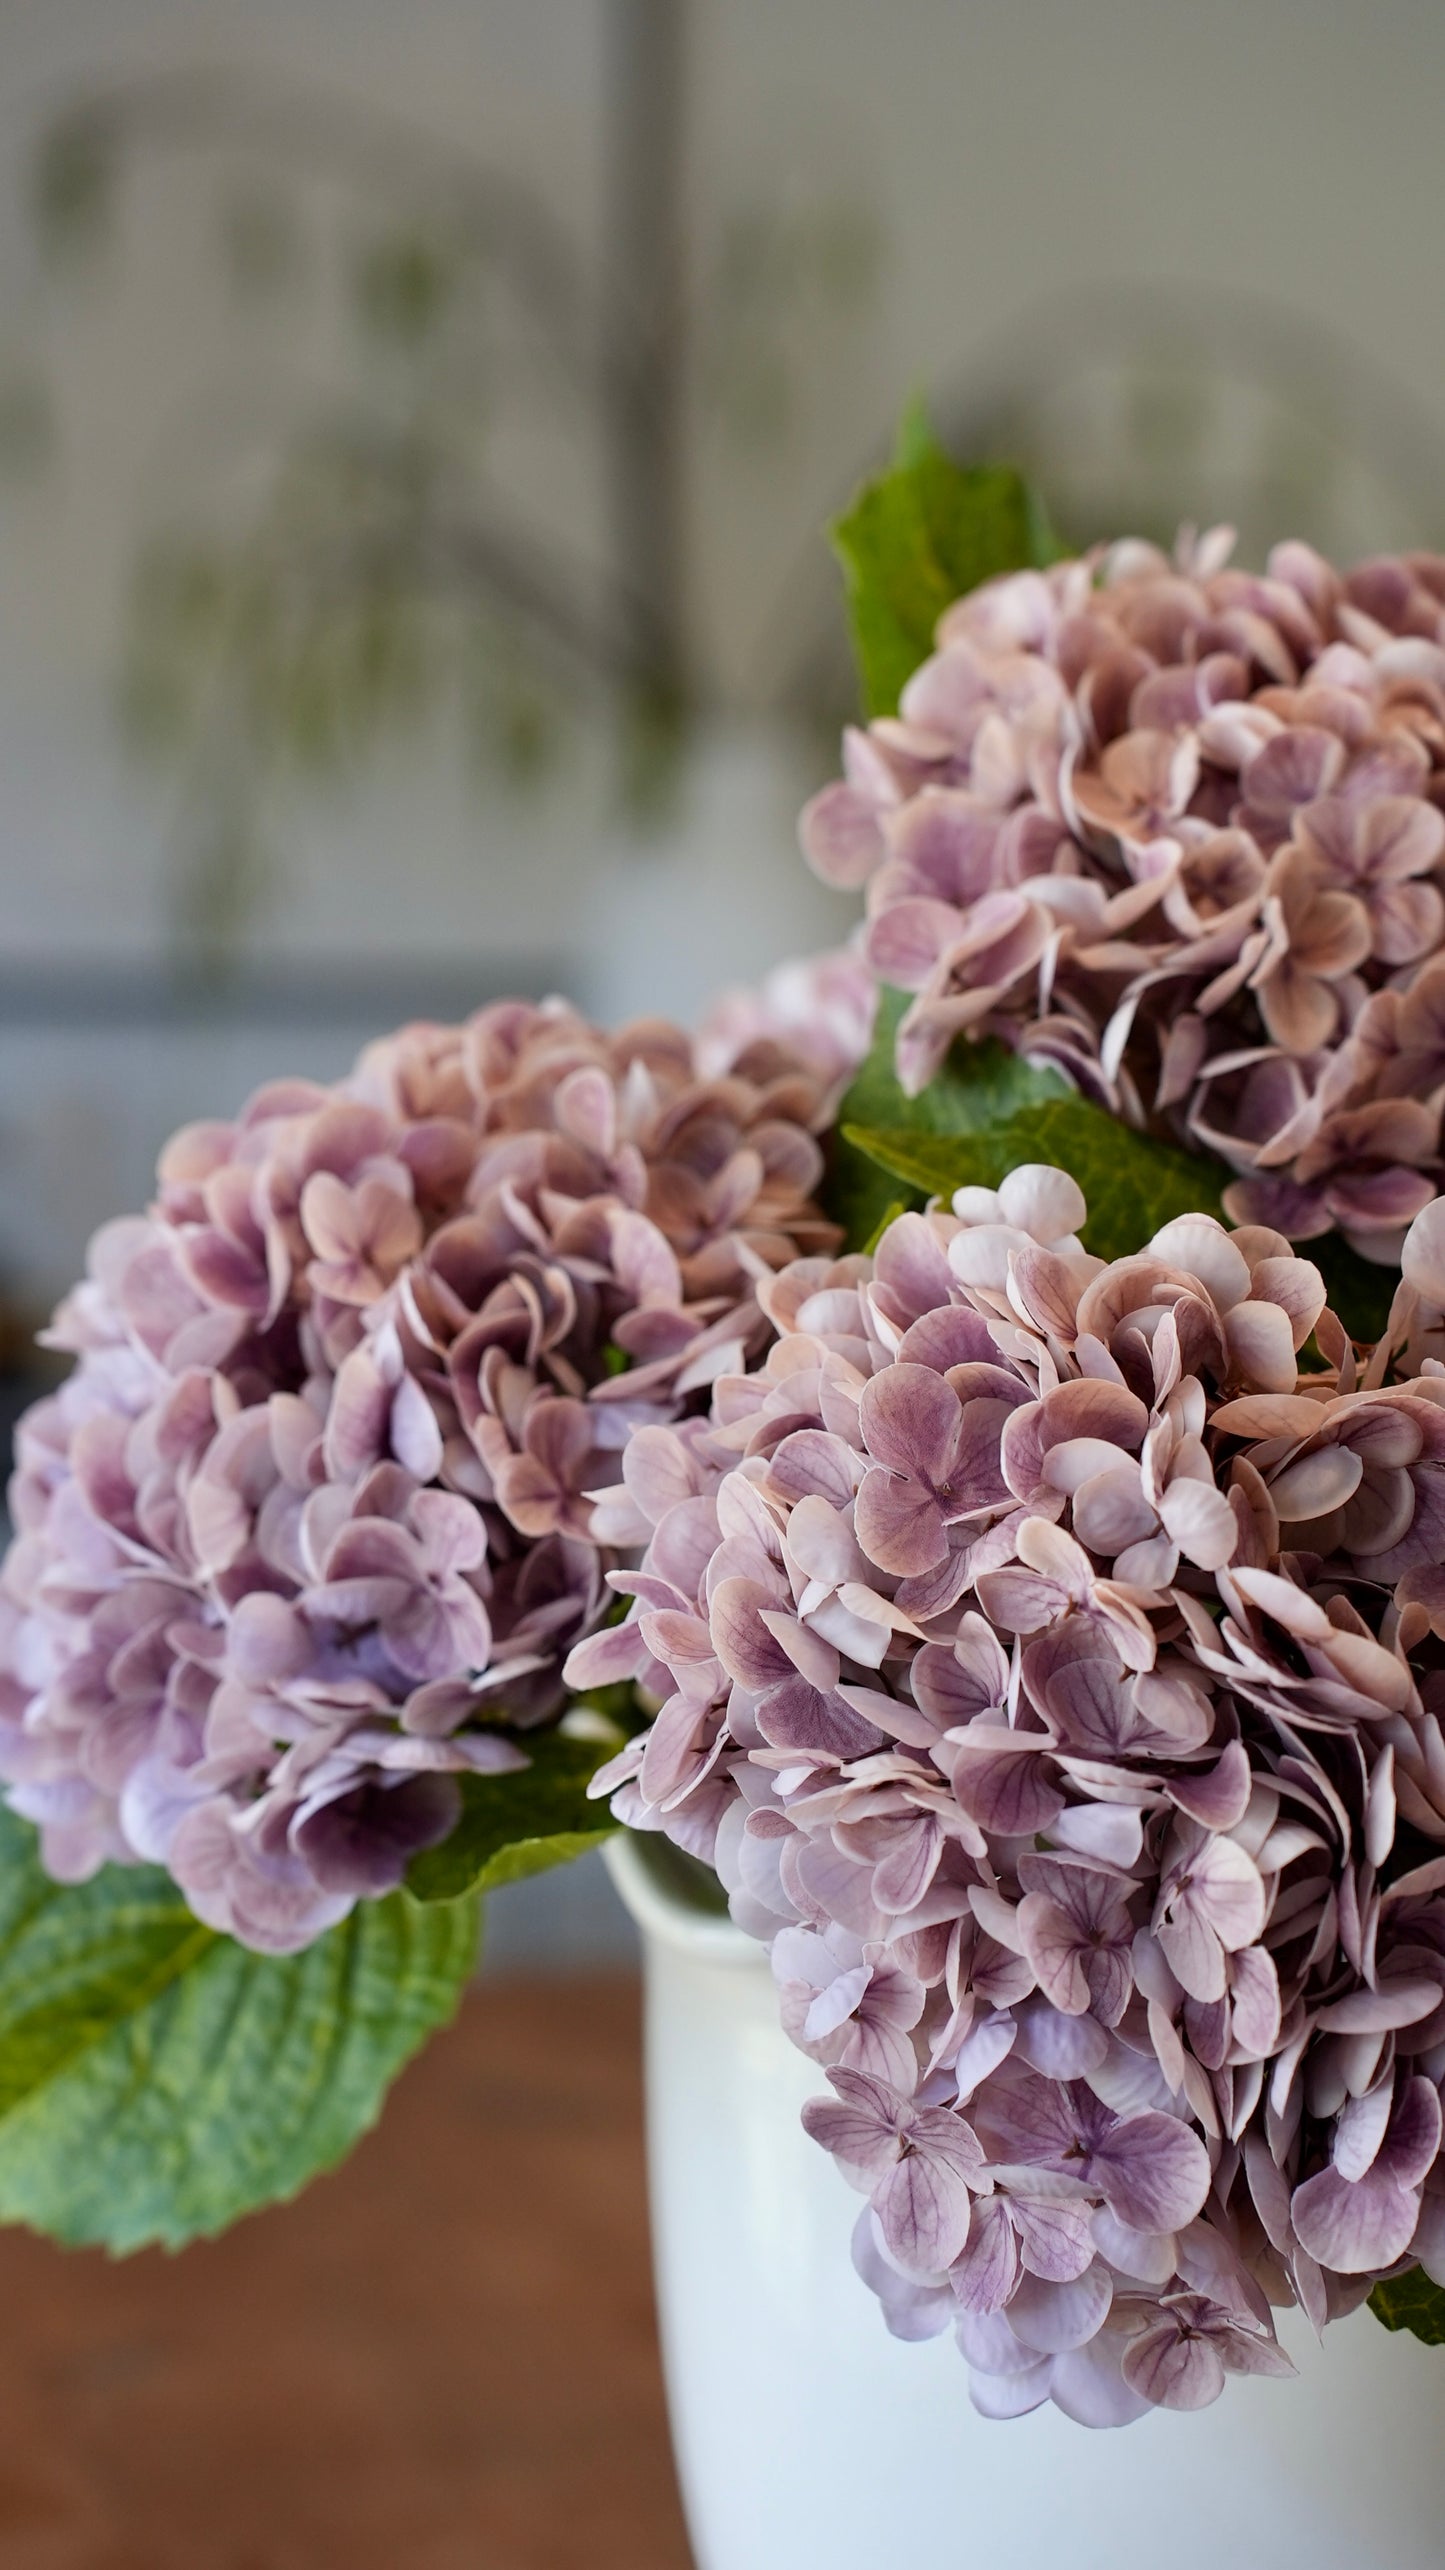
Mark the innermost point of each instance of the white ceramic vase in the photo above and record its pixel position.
(808, 2439)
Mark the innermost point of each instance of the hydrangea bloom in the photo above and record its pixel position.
(315, 1506)
(1175, 828)
(1048, 1657)
(821, 1008)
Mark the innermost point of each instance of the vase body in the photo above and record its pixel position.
(808, 2439)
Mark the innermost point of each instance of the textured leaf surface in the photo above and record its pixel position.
(1411, 2302)
(1133, 1183)
(988, 1110)
(978, 1086)
(916, 538)
(157, 2080)
(521, 1824)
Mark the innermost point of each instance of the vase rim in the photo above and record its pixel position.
(662, 1910)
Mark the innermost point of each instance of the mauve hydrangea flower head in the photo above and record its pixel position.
(820, 1008)
(324, 1501)
(1050, 1656)
(1175, 829)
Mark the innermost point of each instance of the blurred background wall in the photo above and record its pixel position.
(416, 425)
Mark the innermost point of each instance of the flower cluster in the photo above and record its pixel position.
(1175, 828)
(1048, 1657)
(820, 1008)
(313, 1512)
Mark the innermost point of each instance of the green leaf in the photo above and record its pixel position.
(979, 1085)
(860, 1194)
(896, 1205)
(1411, 2302)
(516, 1825)
(1360, 1292)
(1133, 1184)
(916, 538)
(158, 2080)
(987, 1110)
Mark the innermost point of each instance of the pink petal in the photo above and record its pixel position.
(1056, 2318)
(840, 836)
(451, 1530)
(1217, 1796)
(903, 1876)
(1359, 2131)
(1053, 1945)
(1261, 1341)
(224, 1272)
(899, 1523)
(1423, 1257)
(1011, 2395)
(906, 940)
(1055, 2237)
(911, 2311)
(358, 1421)
(813, 1658)
(1354, 2228)
(1407, 919)
(329, 1216)
(657, 1471)
(1089, 2386)
(646, 1266)
(853, 2134)
(1413, 2141)
(1173, 2369)
(1226, 1887)
(416, 1439)
(747, 1650)
(1254, 1990)
(923, 2208)
(1193, 1953)
(822, 1544)
(1000, 1781)
(911, 1419)
(985, 2274)
(1111, 1511)
(795, 1715)
(1201, 1522)
(586, 1110)
(1154, 2173)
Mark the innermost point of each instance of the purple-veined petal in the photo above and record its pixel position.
(1173, 2368)
(923, 2206)
(1354, 2228)
(1057, 2317)
(1153, 2172)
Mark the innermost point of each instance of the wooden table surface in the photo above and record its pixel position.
(443, 2357)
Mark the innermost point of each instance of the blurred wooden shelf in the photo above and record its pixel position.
(443, 2357)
